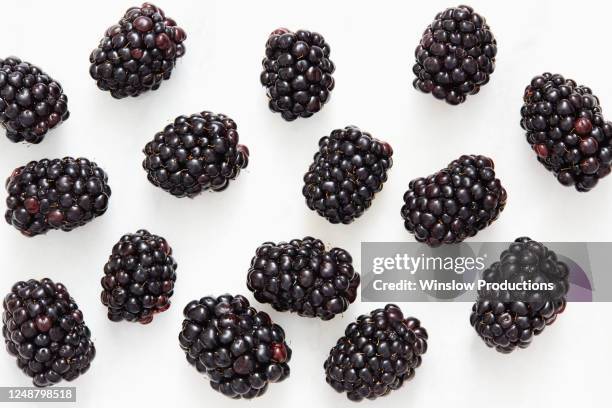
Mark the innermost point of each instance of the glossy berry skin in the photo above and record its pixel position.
(454, 203)
(239, 349)
(31, 102)
(348, 170)
(297, 73)
(378, 353)
(456, 55)
(43, 329)
(139, 278)
(507, 321)
(138, 53)
(567, 131)
(195, 153)
(55, 194)
(302, 277)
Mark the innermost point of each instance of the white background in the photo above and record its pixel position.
(215, 235)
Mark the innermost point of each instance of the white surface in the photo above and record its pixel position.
(214, 236)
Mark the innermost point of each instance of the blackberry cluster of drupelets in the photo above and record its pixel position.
(506, 320)
(454, 203)
(567, 131)
(346, 173)
(31, 102)
(302, 277)
(55, 194)
(377, 354)
(239, 349)
(43, 329)
(139, 278)
(138, 53)
(456, 55)
(195, 153)
(297, 73)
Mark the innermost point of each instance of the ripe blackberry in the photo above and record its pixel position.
(506, 320)
(454, 203)
(55, 194)
(378, 353)
(301, 276)
(138, 53)
(31, 102)
(456, 55)
(139, 278)
(238, 348)
(566, 129)
(347, 171)
(195, 153)
(297, 73)
(43, 328)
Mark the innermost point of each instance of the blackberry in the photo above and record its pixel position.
(347, 171)
(297, 73)
(454, 203)
(55, 194)
(301, 276)
(138, 53)
(505, 320)
(567, 131)
(195, 153)
(31, 102)
(238, 348)
(43, 328)
(138, 278)
(456, 55)
(378, 353)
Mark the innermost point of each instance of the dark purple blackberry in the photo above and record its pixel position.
(138, 53)
(456, 55)
(347, 171)
(454, 203)
(238, 348)
(297, 73)
(302, 277)
(378, 353)
(43, 328)
(505, 320)
(31, 102)
(55, 194)
(567, 131)
(139, 278)
(195, 153)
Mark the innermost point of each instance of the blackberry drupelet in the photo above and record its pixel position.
(297, 73)
(139, 278)
(567, 131)
(454, 203)
(302, 277)
(43, 328)
(138, 53)
(195, 153)
(238, 348)
(346, 173)
(506, 320)
(55, 194)
(31, 102)
(378, 353)
(456, 55)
